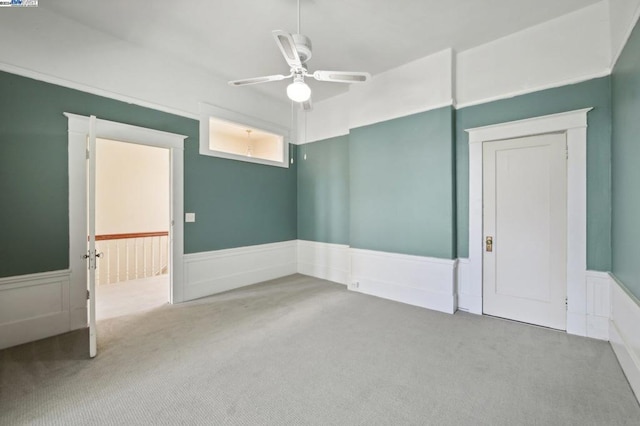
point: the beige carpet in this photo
(301, 351)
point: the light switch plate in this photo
(189, 217)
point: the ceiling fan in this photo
(296, 49)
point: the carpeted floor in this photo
(131, 297)
(298, 351)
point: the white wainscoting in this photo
(595, 323)
(468, 299)
(598, 304)
(216, 271)
(33, 307)
(325, 261)
(415, 280)
(624, 332)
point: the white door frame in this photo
(78, 127)
(574, 125)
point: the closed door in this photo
(525, 229)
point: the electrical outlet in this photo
(355, 284)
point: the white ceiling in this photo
(232, 39)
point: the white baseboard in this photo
(624, 332)
(33, 307)
(325, 261)
(468, 300)
(216, 271)
(415, 280)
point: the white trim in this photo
(404, 113)
(33, 307)
(616, 55)
(416, 280)
(598, 304)
(540, 88)
(529, 126)
(78, 128)
(574, 123)
(29, 279)
(302, 141)
(625, 333)
(36, 75)
(212, 272)
(208, 111)
(324, 260)
(468, 301)
(127, 133)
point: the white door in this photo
(525, 229)
(91, 255)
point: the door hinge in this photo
(88, 154)
(566, 303)
(566, 150)
(88, 294)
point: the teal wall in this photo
(236, 203)
(593, 93)
(397, 186)
(402, 185)
(626, 165)
(323, 191)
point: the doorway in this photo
(525, 217)
(83, 132)
(132, 228)
(573, 124)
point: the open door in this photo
(91, 254)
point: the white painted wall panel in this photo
(421, 85)
(325, 261)
(33, 307)
(468, 299)
(598, 304)
(625, 333)
(328, 119)
(418, 86)
(567, 49)
(213, 272)
(623, 15)
(415, 280)
(65, 52)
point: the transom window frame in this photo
(208, 111)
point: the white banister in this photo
(131, 256)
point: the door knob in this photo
(489, 244)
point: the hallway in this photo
(131, 297)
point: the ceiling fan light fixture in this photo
(298, 91)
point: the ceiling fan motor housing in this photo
(303, 46)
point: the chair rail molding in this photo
(574, 125)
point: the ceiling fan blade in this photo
(287, 46)
(256, 80)
(306, 106)
(342, 76)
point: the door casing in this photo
(574, 125)
(78, 128)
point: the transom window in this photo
(231, 135)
